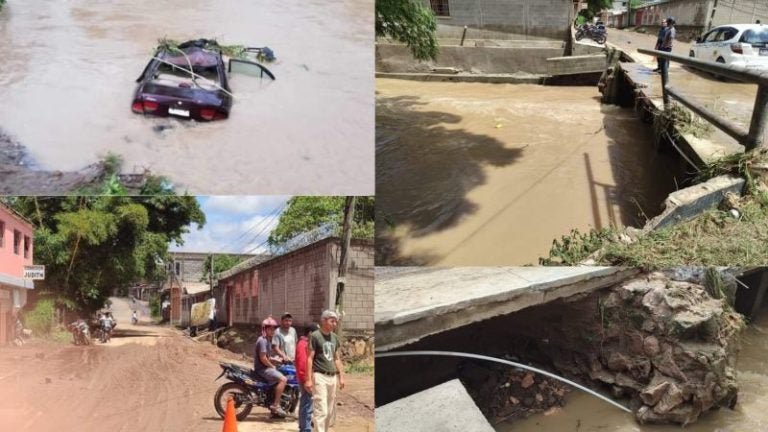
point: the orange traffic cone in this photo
(230, 421)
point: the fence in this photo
(751, 138)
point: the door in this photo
(247, 67)
(705, 48)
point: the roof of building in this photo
(17, 215)
(192, 288)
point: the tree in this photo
(91, 245)
(409, 22)
(303, 214)
(221, 263)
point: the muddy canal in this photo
(490, 174)
(68, 78)
(585, 413)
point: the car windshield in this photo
(756, 37)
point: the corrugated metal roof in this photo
(193, 288)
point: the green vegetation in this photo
(2, 2)
(733, 234)
(680, 121)
(359, 367)
(303, 214)
(235, 51)
(93, 244)
(154, 307)
(114, 186)
(221, 262)
(409, 22)
(41, 318)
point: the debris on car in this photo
(189, 80)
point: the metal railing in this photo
(751, 138)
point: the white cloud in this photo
(245, 205)
(231, 236)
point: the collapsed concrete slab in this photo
(445, 408)
(414, 302)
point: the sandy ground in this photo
(146, 378)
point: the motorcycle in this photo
(596, 33)
(248, 390)
(105, 332)
(81, 335)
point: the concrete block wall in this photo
(687, 13)
(297, 283)
(358, 291)
(506, 19)
(740, 12)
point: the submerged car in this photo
(189, 81)
(743, 45)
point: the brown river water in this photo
(490, 174)
(69, 70)
(586, 413)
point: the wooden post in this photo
(346, 237)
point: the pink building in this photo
(16, 235)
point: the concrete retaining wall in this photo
(509, 19)
(576, 64)
(395, 58)
(692, 201)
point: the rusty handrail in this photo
(749, 139)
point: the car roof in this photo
(742, 27)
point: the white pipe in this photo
(506, 362)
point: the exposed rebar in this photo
(502, 361)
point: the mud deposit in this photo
(489, 174)
(69, 71)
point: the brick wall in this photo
(506, 19)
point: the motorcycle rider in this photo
(134, 318)
(285, 338)
(105, 321)
(264, 364)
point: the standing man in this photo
(323, 366)
(659, 41)
(264, 365)
(305, 403)
(286, 338)
(212, 316)
(666, 45)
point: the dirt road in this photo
(146, 378)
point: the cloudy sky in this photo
(237, 224)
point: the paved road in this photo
(147, 378)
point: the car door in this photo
(722, 44)
(251, 68)
(705, 48)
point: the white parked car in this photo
(737, 44)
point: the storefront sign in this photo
(34, 272)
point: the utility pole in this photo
(346, 237)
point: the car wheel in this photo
(721, 61)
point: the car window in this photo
(726, 34)
(237, 66)
(755, 37)
(709, 37)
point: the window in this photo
(710, 37)
(726, 34)
(2, 234)
(26, 246)
(752, 37)
(16, 242)
(440, 7)
(178, 268)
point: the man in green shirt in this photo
(323, 367)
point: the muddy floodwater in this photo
(586, 413)
(490, 174)
(69, 71)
